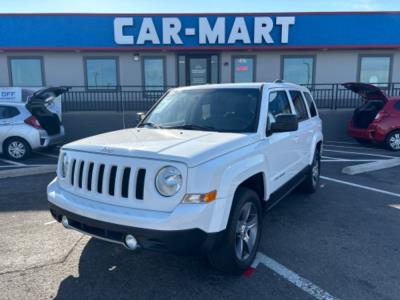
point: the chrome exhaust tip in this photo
(64, 222)
(131, 242)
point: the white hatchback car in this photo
(30, 125)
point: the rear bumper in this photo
(372, 133)
(50, 140)
(183, 242)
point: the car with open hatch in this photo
(196, 174)
(32, 124)
(377, 119)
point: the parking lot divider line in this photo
(354, 147)
(351, 160)
(359, 153)
(28, 171)
(47, 154)
(340, 142)
(12, 162)
(361, 186)
(302, 283)
(51, 222)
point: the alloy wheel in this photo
(246, 231)
(16, 149)
(394, 141)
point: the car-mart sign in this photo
(217, 33)
(130, 32)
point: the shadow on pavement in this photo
(111, 271)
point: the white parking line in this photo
(365, 187)
(359, 153)
(12, 162)
(292, 277)
(355, 147)
(51, 222)
(47, 154)
(45, 169)
(350, 160)
(340, 142)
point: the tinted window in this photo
(311, 104)
(299, 105)
(375, 69)
(26, 71)
(397, 105)
(8, 112)
(153, 69)
(278, 104)
(101, 73)
(298, 69)
(227, 110)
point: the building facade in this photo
(102, 51)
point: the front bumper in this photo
(191, 241)
(185, 230)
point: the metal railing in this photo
(140, 98)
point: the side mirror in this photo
(140, 116)
(284, 123)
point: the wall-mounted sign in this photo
(128, 32)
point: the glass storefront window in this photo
(243, 69)
(375, 69)
(153, 69)
(298, 70)
(26, 71)
(214, 68)
(101, 73)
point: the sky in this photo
(180, 6)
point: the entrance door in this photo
(195, 69)
(199, 70)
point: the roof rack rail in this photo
(279, 81)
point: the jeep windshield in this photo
(213, 109)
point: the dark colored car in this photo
(377, 119)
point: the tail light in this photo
(382, 114)
(32, 121)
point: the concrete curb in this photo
(28, 171)
(372, 166)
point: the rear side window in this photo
(299, 105)
(7, 112)
(278, 104)
(311, 104)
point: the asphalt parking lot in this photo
(341, 242)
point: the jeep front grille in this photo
(107, 179)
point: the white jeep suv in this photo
(197, 172)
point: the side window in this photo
(7, 112)
(278, 104)
(311, 104)
(299, 105)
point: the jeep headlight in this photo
(64, 163)
(168, 181)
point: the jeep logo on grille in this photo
(107, 149)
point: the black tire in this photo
(363, 141)
(225, 256)
(14, 143)
(393, 140)
(311, 182)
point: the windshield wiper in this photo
(150, 124)
(192, 127)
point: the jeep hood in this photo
(188, 146)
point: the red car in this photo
(377, 119)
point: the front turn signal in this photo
(200, 198)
